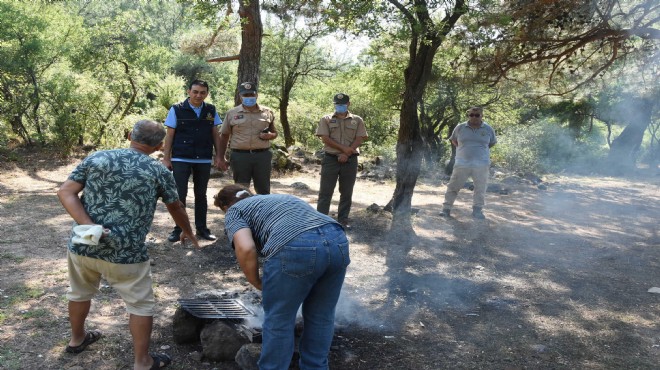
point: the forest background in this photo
(554, 278)
(567, 85)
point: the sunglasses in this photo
(474, 115)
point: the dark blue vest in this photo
(193, 137)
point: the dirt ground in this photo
(553, 279)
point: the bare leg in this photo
(78, 312)
(141, 331)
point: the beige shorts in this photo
(131, 281)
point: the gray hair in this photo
(148, 132)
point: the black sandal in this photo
(90, 337)
(160, 360)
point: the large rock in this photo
(186, 327)
(221, 341)
(248, 356)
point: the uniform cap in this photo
(247, 88)
(340, 99)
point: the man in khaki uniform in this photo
(342, 133)
(248, 128)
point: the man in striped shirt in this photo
(305, 258)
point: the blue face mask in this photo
(249, 101)
(341, 108)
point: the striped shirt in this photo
(274, 220)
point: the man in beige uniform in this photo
(342, 133)
(248, 128)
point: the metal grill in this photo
(216, 308)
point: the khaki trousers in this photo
(479, 176)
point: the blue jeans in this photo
(201, 173)
(309, 270)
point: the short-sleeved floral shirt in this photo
(121, 190)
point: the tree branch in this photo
(223, 59)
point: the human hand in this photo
(216, 162)
(342, 158)
(257, 284)
(222, 164)
(189, 236)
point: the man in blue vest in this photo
(188, 149)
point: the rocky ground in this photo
(557, 277)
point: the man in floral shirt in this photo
(120, 189)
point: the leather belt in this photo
(337, 155)
(249, 150)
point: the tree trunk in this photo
(625, 148)
(284, 118)
(424, 43)
(36, 102)
(19, 128)
(250, 54)
(408, 163)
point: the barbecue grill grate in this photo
(216, 308)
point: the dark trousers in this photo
(255, 166)
(331, 171)
(201, 172)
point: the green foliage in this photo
(36, 313)
(9, 359)
(81, 73)
(11, 258)
(544, 147)
(17, 295)
(304, 117)
(313, 100)
(34, 39)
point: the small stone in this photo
(197, 356)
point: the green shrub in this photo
(546, 147)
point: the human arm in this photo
(343, 158)
(216, 142)
(167, 148)
(223, 140)
(70, 199)
(346, 150)
(178, 212)
(453, 138)
(246, 253)
(272, 132)
(493, 138)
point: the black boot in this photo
(175, 235)
(446, 212)
(476, 213)
(206, 234)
